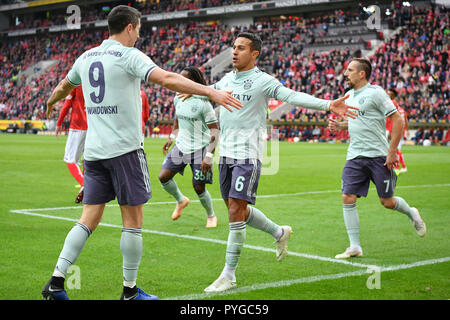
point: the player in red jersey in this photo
(77, 135)
(393, 94)
(145, 110)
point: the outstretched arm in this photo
(176, 82)
(305, 100)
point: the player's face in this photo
(243, 56)
(353, 77)
(391, 94)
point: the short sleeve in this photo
(74, 74)
(208, 113)
(139, 64)
(384, 102)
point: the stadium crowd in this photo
(96, 12)
(414, 61)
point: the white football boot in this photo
(352, 251)
(418, 224)
(282, 242)
(221, 284)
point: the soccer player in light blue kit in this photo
(369, 155)
(198, 131)
(241, 146)
(115, 162)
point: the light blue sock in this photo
(402, 206)
(131, 248)
(258, 220)
(351, 220)
(236, 239)
(206, 201)
(172, 188)
(73, 245)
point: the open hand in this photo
(225, 99)
(343, 110)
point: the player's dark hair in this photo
(254, 38)
(121, 16)
(195, 75)
(394, 92)
(364, 65)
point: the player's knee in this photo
(163, 178)
(348, 198)
(236, 212)
(388, 203)
(199, 188)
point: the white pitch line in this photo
(277, 284)
(264, 196)
(286, 283)
(414, 264)
(261, 286)
(183, 236)
(31, 212)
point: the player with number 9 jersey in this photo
(119, 105)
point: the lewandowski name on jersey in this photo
(102, 110)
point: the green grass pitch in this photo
(182, 257)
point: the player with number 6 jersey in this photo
(241, 146)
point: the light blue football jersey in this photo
(193, 115)
(111, 75)
(243, 132)
(368, 130)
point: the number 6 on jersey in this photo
(239, 185)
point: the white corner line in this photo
(222, 242)
(264, 196)
(286, 283)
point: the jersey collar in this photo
(244, 74)
(111, 41)
(361, 89)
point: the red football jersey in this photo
(75, 101)
(402, 114)
(145, 110)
